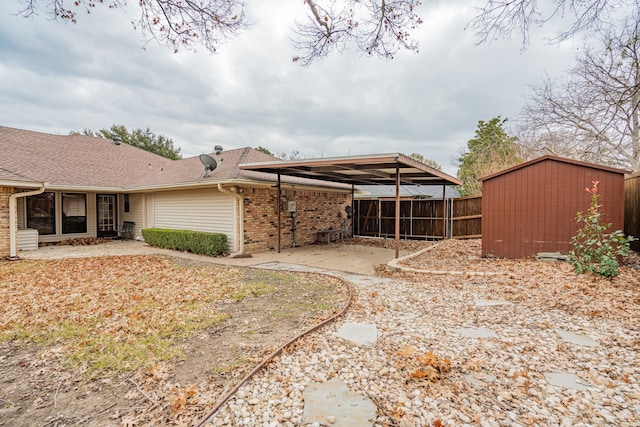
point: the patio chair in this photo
(126, 230)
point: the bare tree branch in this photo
(504, 18)
(182, 24)
(187, 23)
(376, 27)
(594, 115)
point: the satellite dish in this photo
(209, 164)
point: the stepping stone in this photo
(360, 333)
(333, 403)
(490, 302)
(479, 380)
(477, 332)
(409, 316)
(562, 379)
(551, 256)
(572, 338)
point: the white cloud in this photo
(58, 77)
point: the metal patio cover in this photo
(376, 169)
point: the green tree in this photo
(145, 139)
(431, 163)
(492, 150)
(264, 150)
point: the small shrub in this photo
(198, 242)
(595, 250)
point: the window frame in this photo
(35, 219)
(79, 224)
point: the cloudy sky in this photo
(57, 77)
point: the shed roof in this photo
(555, 159)
(375, 169)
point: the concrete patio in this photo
(354, 259)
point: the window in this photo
(126, 203)
(41, 213)
(74, 213)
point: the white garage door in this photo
(198, 210)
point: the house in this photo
(59, 187)
(531, 208)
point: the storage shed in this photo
(531, 207)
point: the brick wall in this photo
(5, 250)
(315, 210)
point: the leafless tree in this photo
(182, 24)
(294, 155)
(375, 27)
(378, 27)
(504, 18)
(594, 114)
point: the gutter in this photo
(13, 226)
(243, 182)
(239, 197)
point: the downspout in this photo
(278, 210)
(239, 197)
(13, 227)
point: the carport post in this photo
(397, 210)
(444, 212)
(353, 210)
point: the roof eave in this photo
(85, 188)
(21, 184)
(556, 159)
(238, 182)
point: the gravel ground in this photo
(421, 372)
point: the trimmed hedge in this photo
(198, 242)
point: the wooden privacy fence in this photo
(632, 208)
(466, 217)
(419, 219)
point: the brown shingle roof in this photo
(74, 160)
(79, 161)
(191, 170)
